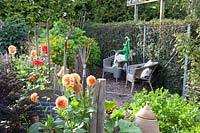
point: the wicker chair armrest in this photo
(133, 67)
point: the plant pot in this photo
(117, 73)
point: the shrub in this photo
(13, 33)
(76, 40)
(173, 113)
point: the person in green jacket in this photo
(123, 54)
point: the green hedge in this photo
(160, 41)
(13, 33)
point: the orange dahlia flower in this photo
(91, 80)
(77, 87)
(34, 97)
(68, 80)
(76, 77)
(12, 49)
(61, 102)
(33, 53)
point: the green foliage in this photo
(112, 11)
(118, 113)
(77, 115)
(117, 11)
(124, 126)
(128, 127)
(102, 11)
(95, 55)
(76, 40)
(118, 119)
(173, 113)
(25, 70)
(197, 9)
(178, 9)
(13, 33)
(110, 125)
(189, 45)
(34, 128)
(110, 105)
(39, 11)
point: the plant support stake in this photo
(48, 45)
(185, 68)
(36, 39)
(144, 44)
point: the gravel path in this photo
(116, 91)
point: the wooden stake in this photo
(36, 39)
(48, 45)
(97, 125)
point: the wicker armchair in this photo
(107, 67)
(134, 74)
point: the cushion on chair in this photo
(146, 72)
(149, 63)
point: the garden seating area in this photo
(82, 66)
(142, 72)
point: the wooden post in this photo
(55, 78)
(97, 125)
(101, 105)
(93, 124)
(65, 48)
(65, 56)
(48, 45)
(36, 39)
(84, 79)
(29, 41)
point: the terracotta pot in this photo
(146, 119)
